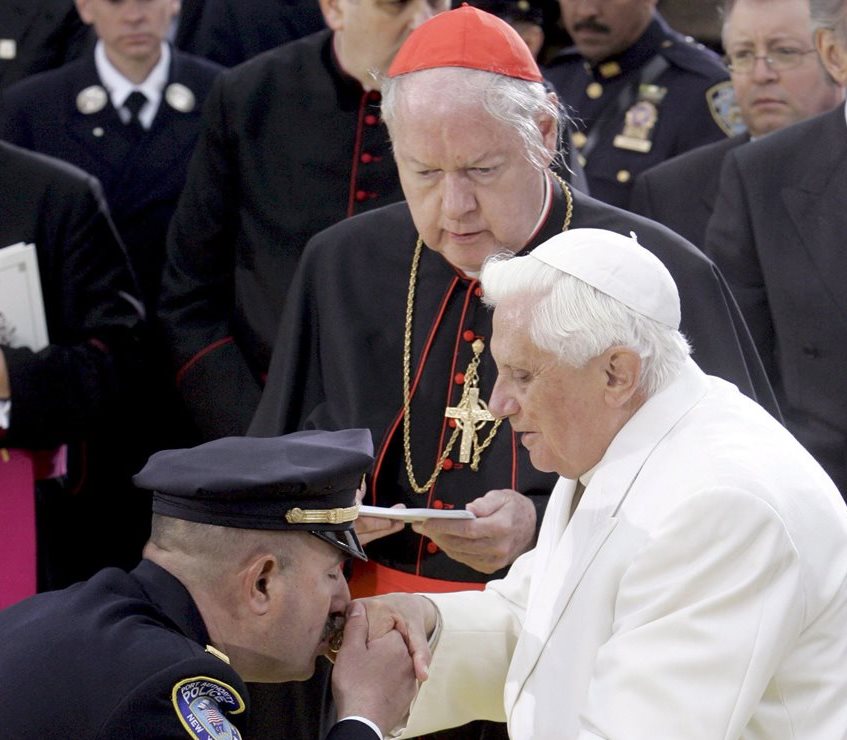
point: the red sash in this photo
(372, 579)
(19, 469)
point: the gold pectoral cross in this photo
(470, 415)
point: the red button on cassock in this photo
(366, 158)
(448, 464)
(371, 120)
(469, 335)
(459, 378)
(431, 548)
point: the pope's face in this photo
(557, 410)
(466, 177)
(131, 30)
(771, 99)
(603, 28)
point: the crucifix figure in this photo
(470, 415)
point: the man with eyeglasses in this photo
(778, 80)
(777, 234)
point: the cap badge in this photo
(322, 516)
(640, 120)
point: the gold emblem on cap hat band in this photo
(322, 516)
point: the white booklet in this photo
(22, 319)
(415, 515)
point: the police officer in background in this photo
(640, 92)
(128, 113)
(241, 581)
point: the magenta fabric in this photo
(19, 469)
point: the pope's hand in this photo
(504, 528)
(411, 615)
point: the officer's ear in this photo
(258, 581)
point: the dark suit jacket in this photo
(681, 192)
(289, 145)
(46, 34)
(778, 234)
(232, 31)
(77, 389)
(142, 178)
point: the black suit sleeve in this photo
(731, 244)
(93, 319)
(197, 302)
(351, 729)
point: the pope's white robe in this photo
(699, 591)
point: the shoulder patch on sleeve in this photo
(724, 108)
(200, 703)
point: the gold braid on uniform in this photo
(470, 413)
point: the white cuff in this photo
(5, 410)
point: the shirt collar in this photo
(119, 87)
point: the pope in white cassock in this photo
(690, 577)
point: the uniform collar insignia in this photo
(92, 100)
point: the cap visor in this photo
(344, 539)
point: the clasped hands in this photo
(384, 654)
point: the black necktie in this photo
(134, 103)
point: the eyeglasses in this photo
(779, 60)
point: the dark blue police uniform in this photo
(133, 662)
(66, 113)
(128, 654)
(662, 96)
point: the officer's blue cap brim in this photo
(304, 481)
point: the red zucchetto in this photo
(466, 37)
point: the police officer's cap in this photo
(304, 481)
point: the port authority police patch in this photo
(201, 703)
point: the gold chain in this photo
(471, 374)
(568, 201)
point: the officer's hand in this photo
(503, 530)
(372, 678)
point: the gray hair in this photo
(576, 322)
(517, 103)
(206, 550)
(827, 14)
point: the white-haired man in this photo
(384, 324)
(689, 578)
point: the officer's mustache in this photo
(590, 24)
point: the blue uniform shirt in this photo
(662, 96)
